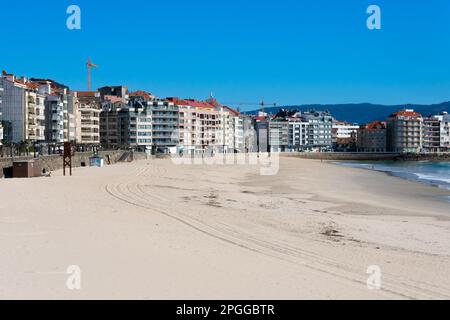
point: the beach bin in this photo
(96, 161)
(26, 169)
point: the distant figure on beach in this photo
(45, 173)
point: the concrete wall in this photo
(55, 162)
(345, 156)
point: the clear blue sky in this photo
(289, 51)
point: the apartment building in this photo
(444, 118)
(436, 133)
(319, 129)
(372, 137)
(250, 140)
(88, 118)
(227, 122)
(405, 132)
(344, 136)
(262, 134)
(35, 113)
(72, 113)
(165, 125)
(54, 119)
(1, 126)
(342, 130)
(22, 110)
(278, 136)
(199, 126)
(298, 134)
(120, 92)
(431, 134)
(135, 123)
(110, 131)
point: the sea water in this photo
(429, 172)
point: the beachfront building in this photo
(262, 133)
(110, 131)
(199, 126)
(54, 119)
(72, 114)
(250, 139)
(372, 137)
(319, 129)
(22, 110)
(278, 135)
(436, 133)
(88, 118)
(60, 111)
(120, 92)
(35, 111)
(135, 123)
(1, 126)
(405, 132)
(344, 134)
(431, 134)
(444, 119)
(13, 109)
(165, 125)
(298, 134)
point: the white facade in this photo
(298, 135)
(226, 131)
(444, 120)
(35, 116)
(239, 132)
(1, 127)
(344, 130)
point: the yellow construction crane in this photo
(90, 65)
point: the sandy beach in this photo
(155, 230)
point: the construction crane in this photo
(90, 65)
(261, 104)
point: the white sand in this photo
(153, 230)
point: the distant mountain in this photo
(363, 112)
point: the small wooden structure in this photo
(26, 169)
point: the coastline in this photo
(182, 232)
(389, 169)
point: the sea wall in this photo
(55, 162)
(426, 157)
(343, 156)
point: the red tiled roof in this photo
(191, 102)
(406, 113)
(87, 93)
(32, 85)
(112, 99)
(376, 125)
(141, 93)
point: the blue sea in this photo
(429, 172)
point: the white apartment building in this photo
(405, 132)
(436, 136)
(239, 133)
(35, 114)
(54, 119)
(135, 123)
(72, 113)
(88, 118)
(23, 109)
(199, 126)
(320, 128)
(1, 127)
(344, 130)
(298, 134)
